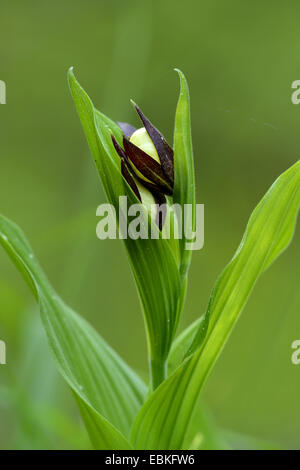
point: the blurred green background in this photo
(240, 59)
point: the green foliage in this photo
(268, 233)
(113, 401)
(95, 373)
(184, 190)
(152, 260)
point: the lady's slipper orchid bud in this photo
(147, 161)
(140, 138)
(160, 261)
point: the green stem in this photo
(158, 370)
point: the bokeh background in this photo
(240, 59)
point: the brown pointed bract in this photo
(160, 200)
(165, 152)
(130, 180)
(124, 169)
(147, 166)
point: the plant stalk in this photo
(158, 372)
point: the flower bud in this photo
(141, 139)
(147, 164)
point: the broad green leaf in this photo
(184, 185)
(103, 435)
(152, 260)
(268, 233)
(109, 392)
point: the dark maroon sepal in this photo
(125, 167)
(130, 180)
(165, 152)
(161, 202)
(118, 148)
(147, 166)
(127, 172)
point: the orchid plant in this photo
(119, 409)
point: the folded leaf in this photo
(109, 392)
(268, 233)
(103, 435)
(152, 260)
(182, 343)
(184, 184)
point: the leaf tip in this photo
(71, 72)
(182, 78)
(71, 77)
(180, 73)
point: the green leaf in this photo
(108, 391)
(182, 343)
(103, 435)
(152, 260)
(184, 184)
(268, 233)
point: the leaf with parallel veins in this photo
(154, 261)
